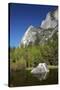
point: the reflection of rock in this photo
(41, 68)
(41, 76)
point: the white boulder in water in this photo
(41, 68)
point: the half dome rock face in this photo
(50, 20)
(56, 14)
(29, 36)
(41, 34)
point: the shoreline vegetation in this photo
(30, 68)
(22, 58)
(49, 66)
(52, 67)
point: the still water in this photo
(25, 78)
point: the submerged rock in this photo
(41, 68)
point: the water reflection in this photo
(26, 78)
(41, 76)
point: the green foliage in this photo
(31, 55)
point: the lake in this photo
(25, 78)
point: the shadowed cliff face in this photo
(41, 34)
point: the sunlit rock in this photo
(41, 68)
(41, 34)
(51, 20)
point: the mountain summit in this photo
(50, 20)
(41, 34)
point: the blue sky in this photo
(24, 15)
